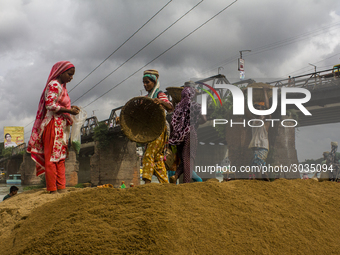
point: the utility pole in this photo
(314, 73)
(241, 64)
(314, 67)
(93, 112)
(243, 51)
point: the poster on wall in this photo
(13, 136)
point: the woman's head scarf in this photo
(153, 75)
(35, 145)
(185, 116)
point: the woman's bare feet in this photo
(147, 181)
(173, 179)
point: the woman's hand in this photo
(76, 107)
(167, 106)
(158, 101)
(74, 110)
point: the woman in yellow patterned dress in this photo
(153, 159)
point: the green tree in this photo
(224, 111)
(7, 152)
(102, 135)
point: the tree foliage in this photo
(7, 152)
(102, 135)
(224, 111)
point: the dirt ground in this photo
(236, 217)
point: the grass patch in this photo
(82, 185)
(33, 187)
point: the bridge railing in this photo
(88, 127)
(87, 130)
(113, 117)
(311, 80)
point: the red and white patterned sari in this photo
(52, 99)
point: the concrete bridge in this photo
(324, 107)
(325, 96)
(120, 162)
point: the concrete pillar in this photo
(27, 171)
(13, 164)
(116, 163)
(84, 174)
(71, 169)
(84, 158)
(281, 146)
(238, 139)
(209, 155)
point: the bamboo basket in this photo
(142, 120)
(175, 93)
(258, 95)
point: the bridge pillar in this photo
(84, 174)
(71, 169)
(84, 157)
(238, 139)
(115, 163)
(281, 147)
(27, 171)
(282, 144)
(13, 164)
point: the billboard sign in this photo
(13, 136)
(241, 64)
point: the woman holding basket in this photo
(50, 132)
(153, 159)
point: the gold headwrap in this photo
(334, 144)
(157, 85)
(152, 71)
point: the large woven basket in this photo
(175, 93)
(142, 120)
(258, 95)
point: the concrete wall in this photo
(13, 165)
(119, 162)
(28, 173)
(116, 163)
(27, 170)
(71, 169)
(84, 174)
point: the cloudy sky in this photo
(283, 36)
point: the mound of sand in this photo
(237, 217)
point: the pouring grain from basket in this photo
(142, 120)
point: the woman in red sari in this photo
(50, 132)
